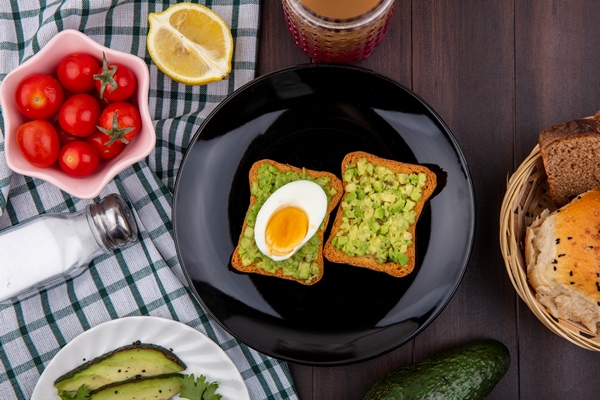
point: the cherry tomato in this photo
(115, 82)
(63, 137)
(78, 158)
(39, 96)
(105, 151)
(121, 121)
(38, 142)
(79, 115)
(76, 72)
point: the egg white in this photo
(305, 195)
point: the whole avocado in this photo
(467, 372)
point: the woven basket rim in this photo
(525, 184)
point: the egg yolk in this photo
(285, 230)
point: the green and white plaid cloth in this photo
(145, 278)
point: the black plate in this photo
(311, 116)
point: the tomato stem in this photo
(107, 77)
(115, 132)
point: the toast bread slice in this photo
(569, 151)
(334, 182)
(395, 269)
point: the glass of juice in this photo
(338, 31)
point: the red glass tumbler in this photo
(337, 40)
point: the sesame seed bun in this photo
(562, 252)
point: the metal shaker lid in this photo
(114, 221)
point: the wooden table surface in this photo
(497, 72)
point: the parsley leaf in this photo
(82, 394)
(198, 389)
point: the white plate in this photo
(198, 352)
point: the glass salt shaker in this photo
(46, 248)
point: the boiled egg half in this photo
(289, 218)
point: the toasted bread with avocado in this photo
(306, 265)
(375, 224)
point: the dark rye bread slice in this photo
(334, 182)
(571, 155)
(368, 261)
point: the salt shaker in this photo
(53, 246)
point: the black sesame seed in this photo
(555, 268)
(590, 247)
(570, 273)
(599, 303)
(598, 286)
(562, 255)
(569, 237)
(555, 261)
(557, 240)
(572, 283)
(578, 197)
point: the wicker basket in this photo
(526, 197)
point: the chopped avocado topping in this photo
(302, 265)
(378, 211)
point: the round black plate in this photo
(311, 116)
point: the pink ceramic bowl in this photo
(66, 42)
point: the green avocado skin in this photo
(467, 372)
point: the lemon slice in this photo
(190, 43)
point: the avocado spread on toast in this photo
(302, 264)
(378, 211)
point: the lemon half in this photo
(190, 43)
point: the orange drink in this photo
(337, 31)
(340, 9)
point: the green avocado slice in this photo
(126, 362)
(160, 387)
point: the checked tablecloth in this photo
(146, 278)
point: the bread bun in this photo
(562, 252)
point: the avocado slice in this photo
(159, 387)
(468, 372)
(134, 360)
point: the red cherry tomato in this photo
(76, 72)
(78, 158)
(79, 115)
(115, 82)
(38, 142)
(100, 141)
(121, 121)
(39, 96)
